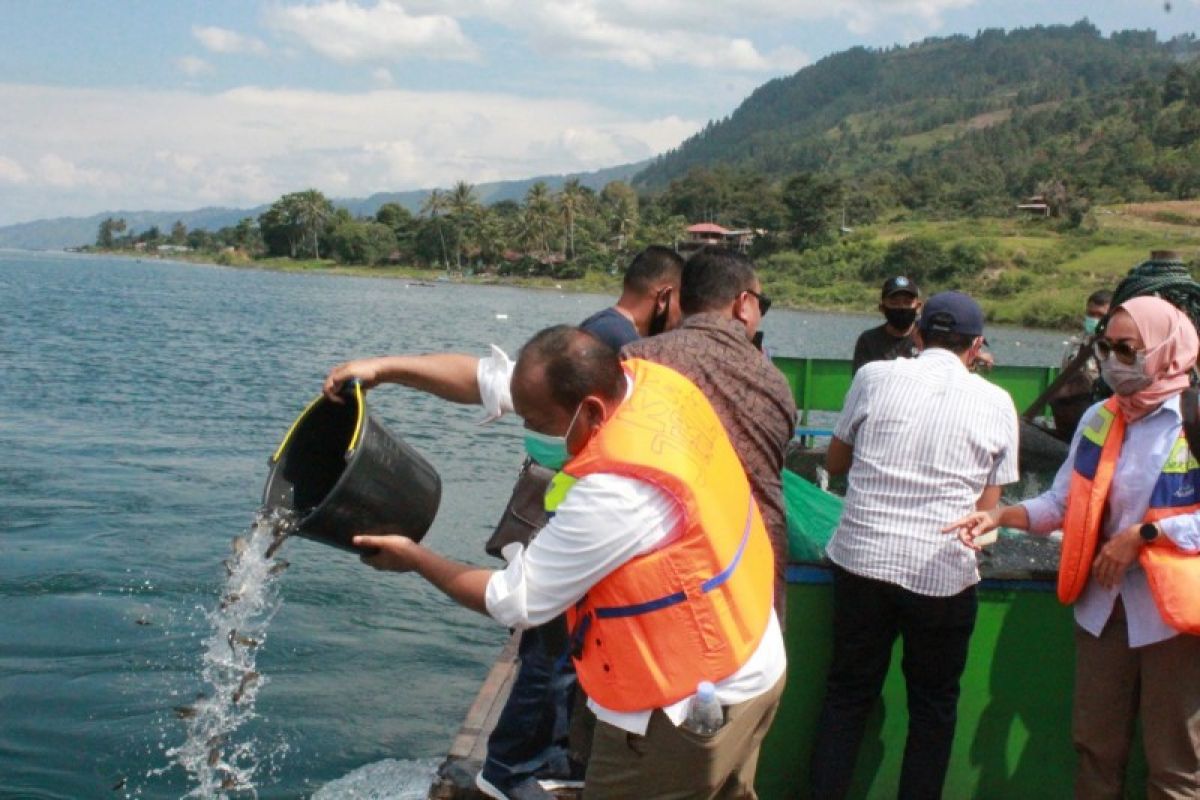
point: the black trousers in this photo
(868, 615)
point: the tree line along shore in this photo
(1025, 270)
(1028, 167)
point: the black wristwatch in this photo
(1148, 531)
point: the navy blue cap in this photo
(900, 284)
(952, 312)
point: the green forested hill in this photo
(965, 124)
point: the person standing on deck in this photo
(900, 303)
(723, 305)
(530, 738)
(923, 440)
(1075, 396)
(659, 556)
(1127, 500)
(645, 307)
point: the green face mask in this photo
(550, 451)
(1090, 324)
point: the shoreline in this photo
(593, 284)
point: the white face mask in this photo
(1125, 379)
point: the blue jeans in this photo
(531, 734)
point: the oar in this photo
(1068, 372)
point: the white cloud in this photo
(382, 77)
(642, 36)
(193, 66)
(250, 145)
(349, 32)
(60, 173)
(223, 40)
(12, 172)
(582, 29)
(647, 34)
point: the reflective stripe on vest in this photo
(1174, 576)
(556, 492)
(696, 608)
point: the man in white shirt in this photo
(570, 387)
(924, 440)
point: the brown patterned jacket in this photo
(753, 400)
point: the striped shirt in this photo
(928, 436)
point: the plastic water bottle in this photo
(706, 715)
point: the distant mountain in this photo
(1013, 108)
(488, 193)
(63, 232)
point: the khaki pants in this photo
(671, 763)
(1114, 684)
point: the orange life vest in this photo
(1174, 575)
(696, 608)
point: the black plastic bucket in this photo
(346, 474)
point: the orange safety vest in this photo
(1174, 575)
(695, 609)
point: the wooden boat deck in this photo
(456, 775)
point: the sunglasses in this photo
(1122, 349)
(764, 302)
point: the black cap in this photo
(900, 285)
(952, 312)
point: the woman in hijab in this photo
(1128, 502)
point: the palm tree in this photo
(571, 201)
(539, 216)
(622, 204)
(311, 211)
(433, 207)
(463, 208)
(490, 237)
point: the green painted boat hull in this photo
(820, 384)
(1013, 738)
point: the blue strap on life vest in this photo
(635, 609)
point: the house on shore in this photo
(709, 233)
(1035, 206)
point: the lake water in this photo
(139, 402)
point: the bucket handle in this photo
(352, 386)
(355, 385)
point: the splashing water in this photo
(216, 762)
(384, 780)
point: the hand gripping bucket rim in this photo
(346, 473)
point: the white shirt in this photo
(494, 376)
(928, 437)
(604, 521)
(1148, 442)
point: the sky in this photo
(182, 104)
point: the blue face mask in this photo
(1090, 324)
(549, 451)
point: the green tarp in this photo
(812, 516)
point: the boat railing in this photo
(820, 384)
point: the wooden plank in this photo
(456, 775)
(471, 741)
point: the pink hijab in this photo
(1171, 348)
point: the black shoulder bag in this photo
(525, 514)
